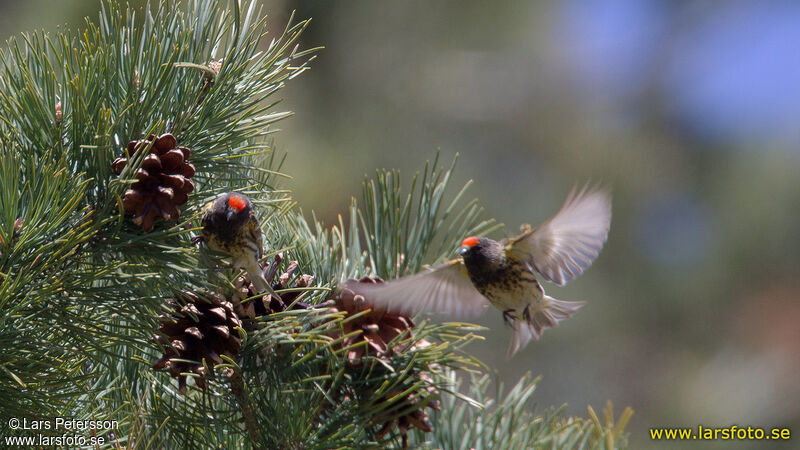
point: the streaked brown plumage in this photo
(230, 226)
(504, 273)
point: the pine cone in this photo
(215, 65)
(14, 234)
(200, 329)
(59, 114)
(418, 418)
(378, 327)
(266, 304)
(164, 180)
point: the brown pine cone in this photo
(267, 304)
(163, 181)
(200, 329)
(417, 417)
(378, 327)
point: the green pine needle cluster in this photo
(505, 421)
(82, 287)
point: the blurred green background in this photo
(690, 110)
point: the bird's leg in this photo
(269, 273)
(526, 313)
(508, 318)
(276, 304)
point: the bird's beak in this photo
(230, 214)
(463, 250)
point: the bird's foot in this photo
(271, 270)
(197, 239)
(508, 318)
(526, 313)
(276, 304)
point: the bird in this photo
(230, 226)
(505, 273)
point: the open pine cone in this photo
(378, 327)
(163, 181)
(417, 418)
(200, 329)
(266, 304)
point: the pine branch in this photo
(82, 286)
(44, 235)
(504, 421)
(404, 231)
(242, 398)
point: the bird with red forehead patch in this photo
(504, 273)
(231, 227)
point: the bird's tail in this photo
(554, 311)
(259, 282)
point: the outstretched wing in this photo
(444, 289)
(564, 246)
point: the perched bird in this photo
(230, 226)
(504, 273)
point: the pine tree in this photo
(112, 139)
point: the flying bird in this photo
(504, 274)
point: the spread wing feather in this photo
(444, 289)
(564, 246)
